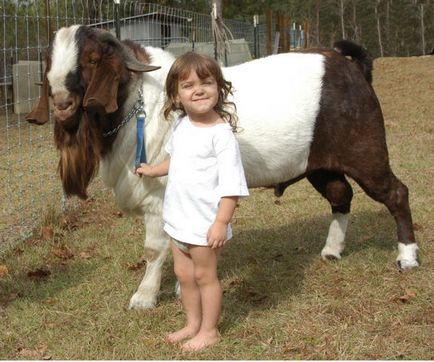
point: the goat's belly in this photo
(273, 158)
(277, 100)
(275, 144)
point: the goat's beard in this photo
(80, 154)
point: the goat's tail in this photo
(358, 55)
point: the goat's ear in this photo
(102, 91)
(41, 111)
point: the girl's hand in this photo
(144, 169)
(217, 233)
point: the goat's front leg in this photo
(156, 248)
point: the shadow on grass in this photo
(259, 267)
(262, 267)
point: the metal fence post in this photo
(118, 25)
(48, 20)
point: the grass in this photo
(281, 301)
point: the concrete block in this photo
(25, 76)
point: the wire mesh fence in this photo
(29, 183)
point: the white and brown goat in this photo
(312, 114)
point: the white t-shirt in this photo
(205, 165)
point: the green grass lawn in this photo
(64, 295)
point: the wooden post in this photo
(269, 31)
(281, 30)
(285, 34)
(306, 34)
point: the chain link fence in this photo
(29, 184)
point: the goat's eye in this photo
(93, 62)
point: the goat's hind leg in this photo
(156, 248)
(336, 189)
(390, 191)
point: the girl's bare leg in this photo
(190, 296)
(205, 273)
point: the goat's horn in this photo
(134, 65)
(131, 62)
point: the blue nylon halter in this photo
(140, 148)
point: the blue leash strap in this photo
(140, 149)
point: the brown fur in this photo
(80, 153)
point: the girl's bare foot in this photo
(184, 333)
(201, 341)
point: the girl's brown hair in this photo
(204, 66)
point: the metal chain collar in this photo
(138, 107)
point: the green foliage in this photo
(399, 21)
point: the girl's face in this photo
(198, 96)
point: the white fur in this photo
(277, 100)
(144, 196)
(335, 242)
(407, 255)
(64, 58)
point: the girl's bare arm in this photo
(217, 232)
(158, 170)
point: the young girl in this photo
(205, 179)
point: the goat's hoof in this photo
(405, 264)
(330, 255)
(138, 302)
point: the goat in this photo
(311, 114)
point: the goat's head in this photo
(86, 74)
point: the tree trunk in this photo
(341, 9)
(422, 28)
(355, 25)
(317, 4)
(377, 16)
(388, 40)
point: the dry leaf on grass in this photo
(63, 252)
(417, 227)
(50, 301)
(37, 353)
(33, 240)
(140, 264)
(11, 297)
(3, 271)
(407, 296)
(47, 233)
(40, 273)
(85, 255)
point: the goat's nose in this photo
(62, 105)
(62, 101)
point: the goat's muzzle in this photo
(65, 107)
